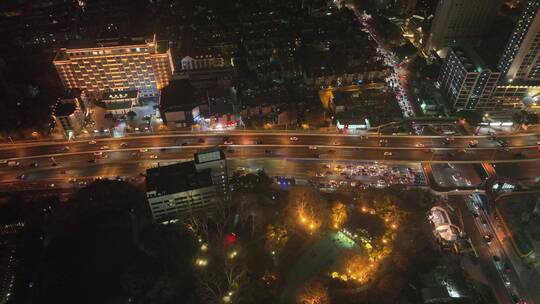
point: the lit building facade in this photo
(521, 58)
(206, 60)
(467, 81)
(118, 102)
(520, 62)
(457, 19)
(115, 65)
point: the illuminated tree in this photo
(359, 268)
(339, 215)
(276, 239)
(307, 209)
(313, 292)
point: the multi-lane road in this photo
(252, 144)
(51, 161)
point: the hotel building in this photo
(116, 65)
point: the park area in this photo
(304, 246)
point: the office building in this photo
(179, 189)
(458, 19)
(69, 114)
(215, 160)
(115, 65)
(468, 81)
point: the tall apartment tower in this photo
(521, 58)
(458, 19)
(116, 65)
(467, 80)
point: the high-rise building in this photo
(215, 160)
(458, 19)
(521, 57)
(520, 62)
(116, 65)
(467, 80)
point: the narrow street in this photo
(396, 81)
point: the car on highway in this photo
(293, 138)
(473, 143)
(502, 143)
(124, 145)
(143, 150)
(153, 156)
(228, 142)
(65, 149)
(13, 163)
(313, 147)
(92, 142)
(104, 147)
(387, 153)
(488, 238)
(383, 142)
(34, 165)
(504, 149)
(505, 279)
(21, 177)
(419, 145)
(335, 143)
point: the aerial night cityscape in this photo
(270, 151)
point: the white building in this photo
(444, 228)
(202, 60)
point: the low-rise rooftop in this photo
(176, 178)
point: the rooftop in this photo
(208, 155)
(176, 178)
(64, 109)
(179, 94)
(471, 60)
